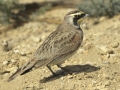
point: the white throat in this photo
(72, 23)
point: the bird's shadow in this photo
(72, 69)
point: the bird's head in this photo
(75, 17)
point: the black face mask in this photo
(76, 17)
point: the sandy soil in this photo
(95, 66)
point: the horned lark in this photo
(59, 45)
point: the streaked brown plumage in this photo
(59, 45)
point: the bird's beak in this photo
(87, 15)
(81, 19)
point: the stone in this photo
(70, 76)
(115, 44)
(5, 62)
(12, 69)
(35, 39)
(16, 51)
(105, 50)
(12, 60)
(22, 53)
(107, 83)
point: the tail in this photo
(18, 72)
(24, 69)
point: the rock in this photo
(44, 35)
(100, 87)
(16, 51)
(6, 45)
(22, 53)
(5, 62)
(81, 51)
(84, 26)
(107, 83)
(105, 50)
(106, 62)
(6, 74)
(12, 60)
(70, 76)
(62, 78)
(94, 82)
(115, 44)
(35, 39)
(108, 55)
(22, 61)
(102, 18)
(12, 69)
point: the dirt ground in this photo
(95, 66)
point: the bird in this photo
(58, 46)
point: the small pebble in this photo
(16, 51)
(94, 82)
(106, 62)
(5, 62)
(12, 60)
(5, 43)
(6, 74)
(12, 69)
(36, 39)
(115, 45)
(81, 51)
(108, 55)
(21, 62)
(107, 83)
(102, 18)
(70, 76)
(61, 78)
(22, 53)
(105, 50)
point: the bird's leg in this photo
(51, 70)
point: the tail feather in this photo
(14, 75)
(26, 68)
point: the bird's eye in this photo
(82, 15)
(76, 16)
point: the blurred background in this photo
(13, 11)
(25, 24)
